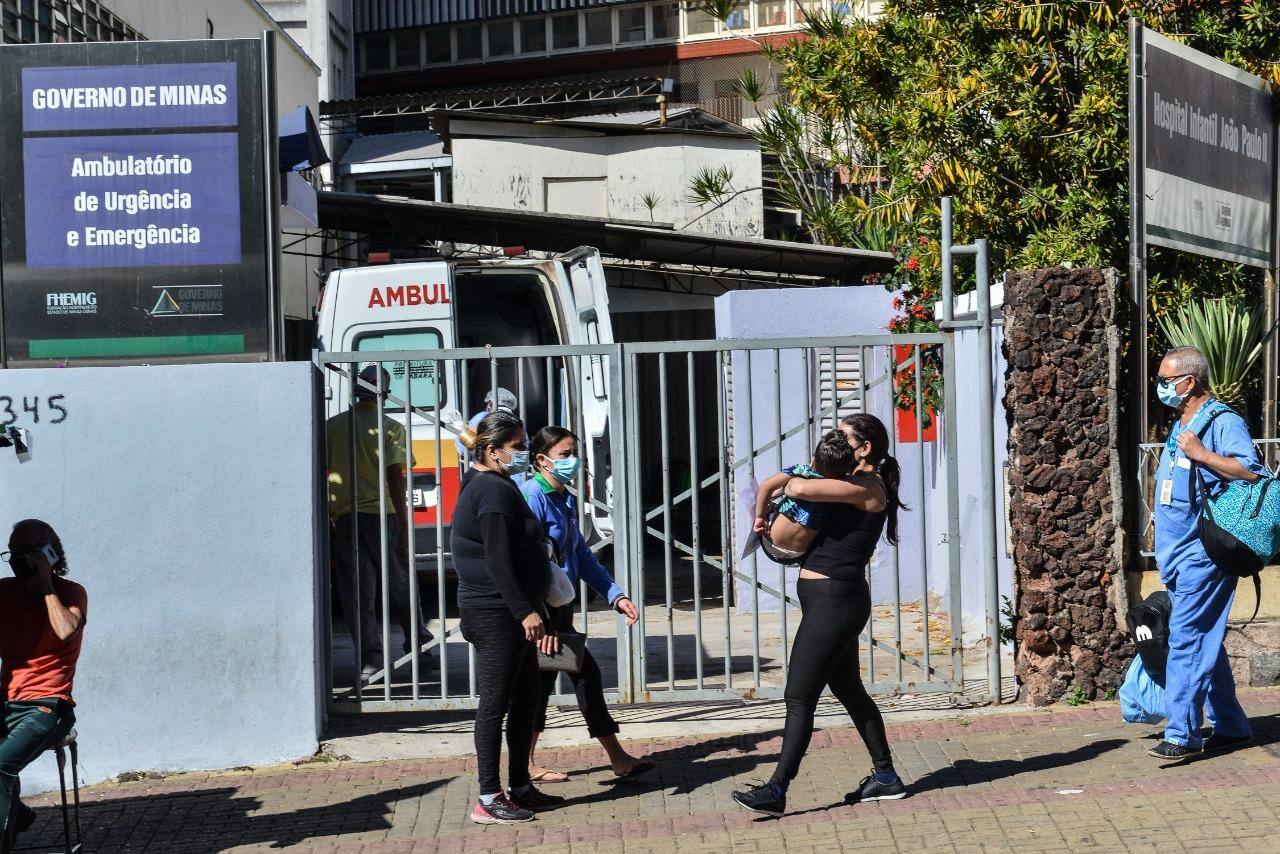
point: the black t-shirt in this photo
(845, 542)
(498, 547)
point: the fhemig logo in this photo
(82, 302)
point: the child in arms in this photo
(788, 526)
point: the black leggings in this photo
(825, 653)
(509, 684)
(588, 685)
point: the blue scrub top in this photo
(1179, 553)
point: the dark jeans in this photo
(510, 686)
(588, 685)
(29, 728)
(825, 653)
(370, 563)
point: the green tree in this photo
(1017, 109)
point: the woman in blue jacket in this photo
(554, 453)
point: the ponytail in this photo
(891, 476)
(869, 429)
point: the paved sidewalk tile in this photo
(1069, 780)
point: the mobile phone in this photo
(50, 554)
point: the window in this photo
(806, 9)
(407, 50)
(771, 13)
(469, 43)
(700, 21)
(438, 49)
(533, 35)
(739, 18)
(420, 387)
(564, 32)
(377, 53)
(599, 27)
(666, 20)
(631, 24)
(502, 40)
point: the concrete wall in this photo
(297, 84)
(511, 172)
(921, 560)
(185, 500)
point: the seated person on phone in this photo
(41, 621)
(787, 528)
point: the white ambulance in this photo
(503, 302)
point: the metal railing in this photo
(687, 427)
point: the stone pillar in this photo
(1063, 346)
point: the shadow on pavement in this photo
(215, 820)
(968, 772)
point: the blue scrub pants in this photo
(1198, 673)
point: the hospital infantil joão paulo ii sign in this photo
(1209, 154)
(134, 226)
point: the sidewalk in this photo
(1010, 779)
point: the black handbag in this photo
(573, 648)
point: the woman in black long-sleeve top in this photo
(503, 574)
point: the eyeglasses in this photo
(1171, 380)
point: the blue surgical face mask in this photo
(1168, 392)
(566, 469)
(519, 463)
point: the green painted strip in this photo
(1208, 242)
(169, 345)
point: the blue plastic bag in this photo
(1141, 697)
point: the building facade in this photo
(429, 45)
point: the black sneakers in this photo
(763, 799)
(1169, 750)
(871, 789)
(536, 801)
(501, 811)
(1218, 743)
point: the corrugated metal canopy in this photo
(413, 222)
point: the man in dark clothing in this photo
(358, 552)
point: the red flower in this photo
(919, 312)
(897, 303)
(924, 241)
(913, 264)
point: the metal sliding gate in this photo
(676, 436)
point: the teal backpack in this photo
(1239, 523)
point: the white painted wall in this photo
(512, 171)
(297, 84)
(922, 555)
(185, 500)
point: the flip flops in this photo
(548, 776)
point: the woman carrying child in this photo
(836, 604)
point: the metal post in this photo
(665, 448)
(271, 197)
(411, 545)
(696, 520)
(1137, 223)
(952, 439)
(948, 300)
(354, 617)
(384, 540)
(726, 514)
(444, 626)
(777, 448)
(987, 456)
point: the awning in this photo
(300, 143)
(408, 151)
(411, 222)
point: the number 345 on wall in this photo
(14, 408)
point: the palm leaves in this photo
(1230, 335)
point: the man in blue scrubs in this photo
(1198, 673)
